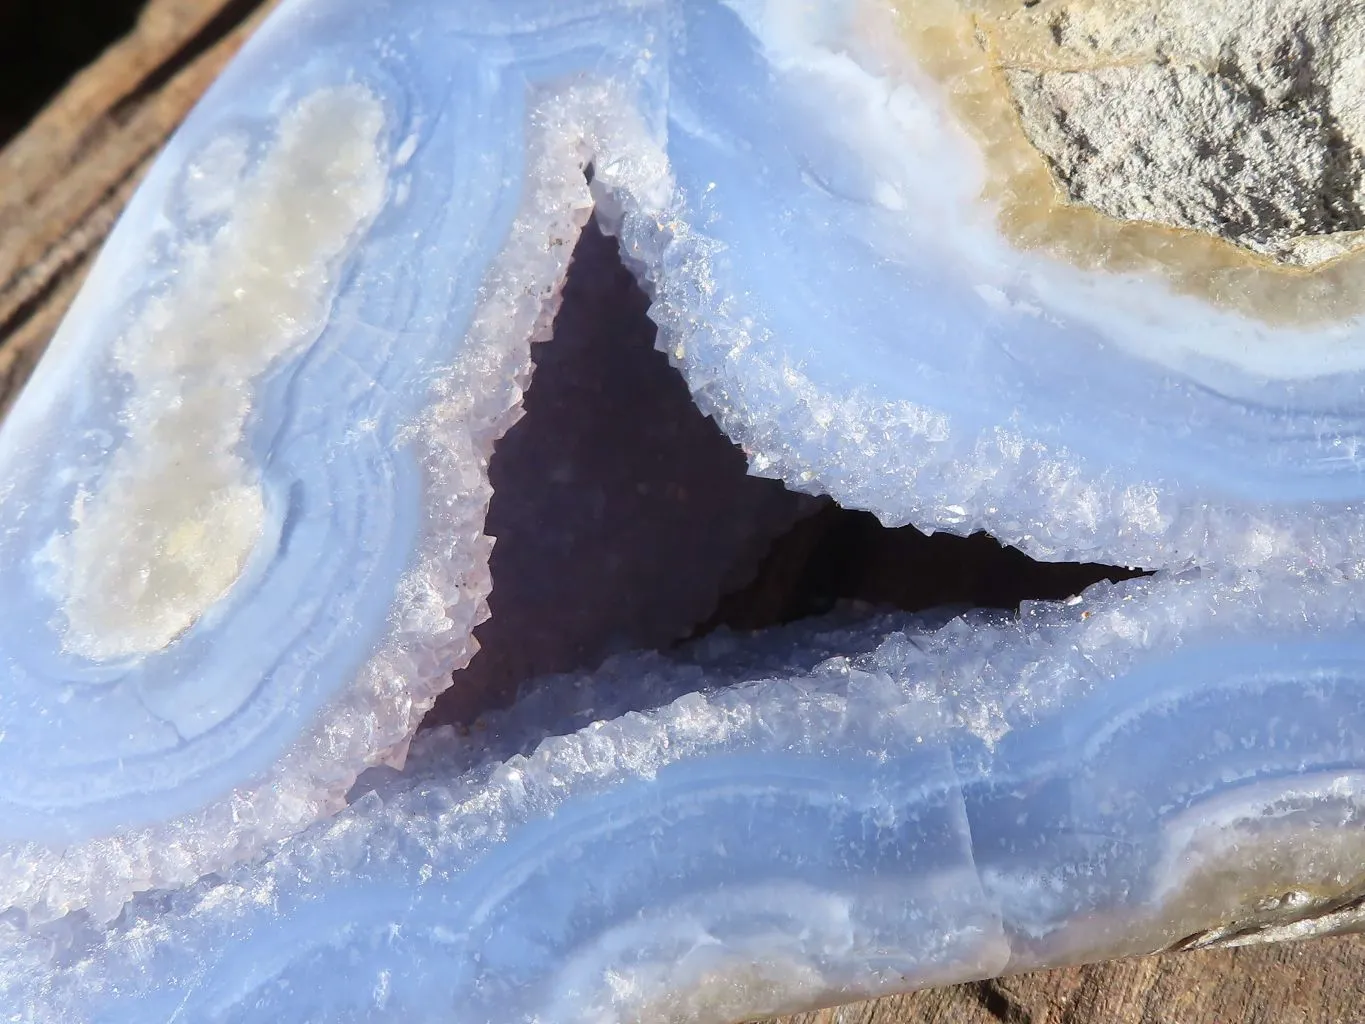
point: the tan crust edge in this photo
(963, 51)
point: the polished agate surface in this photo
(245, 526)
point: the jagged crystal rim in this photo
(439, 601)
(453, 810)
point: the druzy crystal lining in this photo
(240, 762)
(984, 387)
(759, 822)
(939, 803)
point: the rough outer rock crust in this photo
(1217, 146)
(1241, 120)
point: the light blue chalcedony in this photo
(241, 551)
(795, 828)
(834, 301)
(139, 760)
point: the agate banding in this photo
(243, 537)
(937, 804)
(166, 531)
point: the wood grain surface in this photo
(63, 181)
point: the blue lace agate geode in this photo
(243, 545)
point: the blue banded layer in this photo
(1164, 760)
(833, 285)
(325, 539)
(241, 537)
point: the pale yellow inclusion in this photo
(1227, 879)
(179, 511)
(969, 49)
(1256, 877)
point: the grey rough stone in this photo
(1238, 122)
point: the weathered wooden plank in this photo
(1292, 983)
(63, 182)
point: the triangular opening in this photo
(625, 519)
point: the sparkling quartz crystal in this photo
(245, 490)
(869, 279)
(953, 262)
(796, 828)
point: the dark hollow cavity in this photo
(624, 518)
